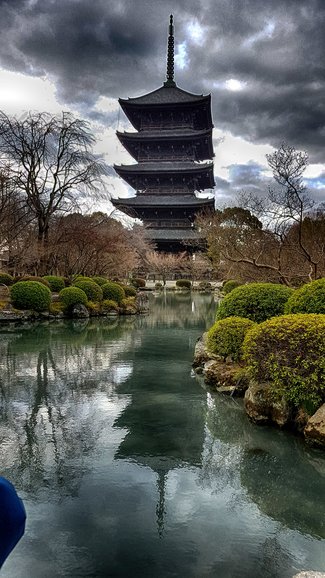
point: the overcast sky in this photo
(263, 63)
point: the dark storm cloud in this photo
(275, 49)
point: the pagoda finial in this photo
(170, 55)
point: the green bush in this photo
(158, 286)
(94, 307)
(32, 278)
(129, 291)
(55, 283)
(70, 296)
(109, 305)
(6, 279)
(229, 285)
(30, 295)
(99, 280)
(113, 291)
(309, 298)
(255, 301)
(289, 353)
(183, 284)
(138, 282)
(93, 291)
(205, 286)
(225, 337)
(128, 302)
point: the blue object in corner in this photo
(12, 518)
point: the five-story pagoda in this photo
(173, 148)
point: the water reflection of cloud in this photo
(121, 372)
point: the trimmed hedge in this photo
(183, 284)
(32, 278)
(289, 353)
(138, 282)
(99, 280)
(255, 301)
(93, 291)
(30, 295)
(6, 279)
(113, 291)
(109, 305)
(70, 296)
(56, 283)
(226, 337)
(229, 285)
(128, 302)
(204, 286)
(129, 291)
(309, 298)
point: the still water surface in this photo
(128, 467)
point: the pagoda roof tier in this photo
(201, 173)
(166, 95)
(172, 234)
(169, 167)
(201, 139)
(168, 99)
(143, 200)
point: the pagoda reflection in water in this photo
(158, 423)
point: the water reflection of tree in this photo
(279, 473)
(286, 486)
(180, 309)
(50, 421)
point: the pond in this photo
(129, 467)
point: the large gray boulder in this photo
(315, 428)
(225, 377)
(79, 311)
(201, 355)
(262, 408)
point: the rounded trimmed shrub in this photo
(93, 291)
(204, 286)
(128, 302)
(109, 305)
(229, 285)
(255, 301)
(158, 286)
(99, 280)
(30, 295)
(6, 279)
(129, 291)
(289, 353)
(56, 283)
(226, 337)
(94, 307)
(138, 282)
(113, 291)
(309, 298)
(32, 278)
(70, 296)
(183, 284)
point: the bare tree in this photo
(290, 203)
(15, 218)
(269, 239)
(165, 264)
(52, 162)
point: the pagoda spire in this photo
(170, 55)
